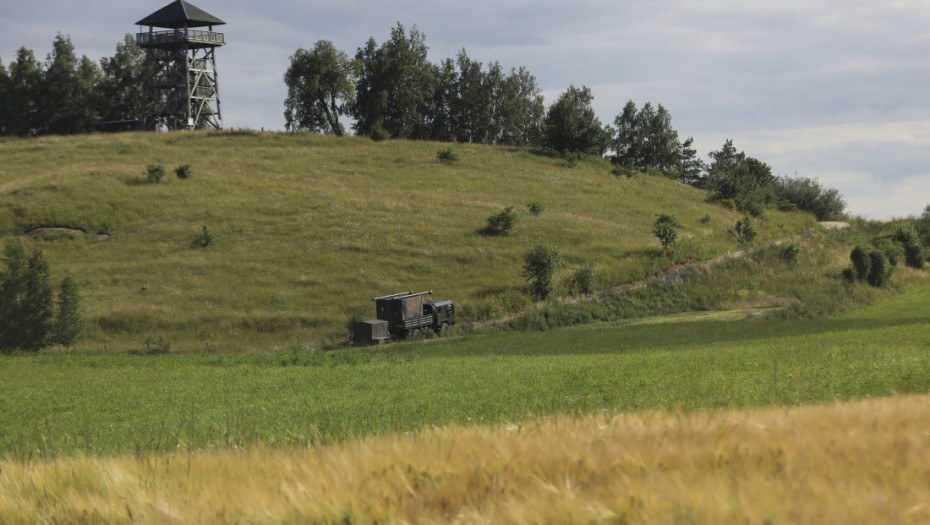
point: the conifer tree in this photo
(68, 322)
(27, 303)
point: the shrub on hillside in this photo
(584, 280)
(539, 266)
(501, 223)
(666, 229)
(447, 156)
(913, 250)
(879, 269)
(378, 133)
(68, 325)
(889, 247)
(535, 208)
(862, 263)
(923, 226)
(205, 238)
(155, 173)
(183, 171)
(809, 195)
(849, 274)
(744, 230)
(789, 254)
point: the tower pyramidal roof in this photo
(179, 14)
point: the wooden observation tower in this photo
(181, 90)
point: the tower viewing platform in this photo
(180, 35)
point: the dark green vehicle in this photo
(405, 315)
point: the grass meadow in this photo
(743, 391)
(860, 462)
(120, 404)
(307, 228)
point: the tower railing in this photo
(180, 36)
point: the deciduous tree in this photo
(319, 89)
(809, 195)
(666, 230)
(539, 266)
(122, 83)
(25, 83)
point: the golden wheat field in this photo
(863, 462)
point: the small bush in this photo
(155, 173)
(624, 171)
(789, 254)
(889, 247)
(573, 158)
(183, 171)
(751, 206)
(879, 270)
(705, 219)
(447, 156)
(861, 263)
(378, 133)
(501, 223)
(205, 238)
(535, 208)
(744, 230)
(666, 230)
(539, 266)
(584, 280)
(913, 250)
(849, 274)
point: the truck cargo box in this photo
(372, 332)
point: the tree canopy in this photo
(571, 126)
(67, 94)
(28, 317)
(646, 139)
(319, 89)
(393, 85)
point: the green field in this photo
(107, 404)
(307, 228)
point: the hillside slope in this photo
(306, 228)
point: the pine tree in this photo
(26, 301)
(68, 323)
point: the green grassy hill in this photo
(307, 228)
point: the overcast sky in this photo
(829, 89)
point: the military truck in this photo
(404, 315)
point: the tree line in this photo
(66, 94)
(391, 90)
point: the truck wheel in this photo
(415, 334)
